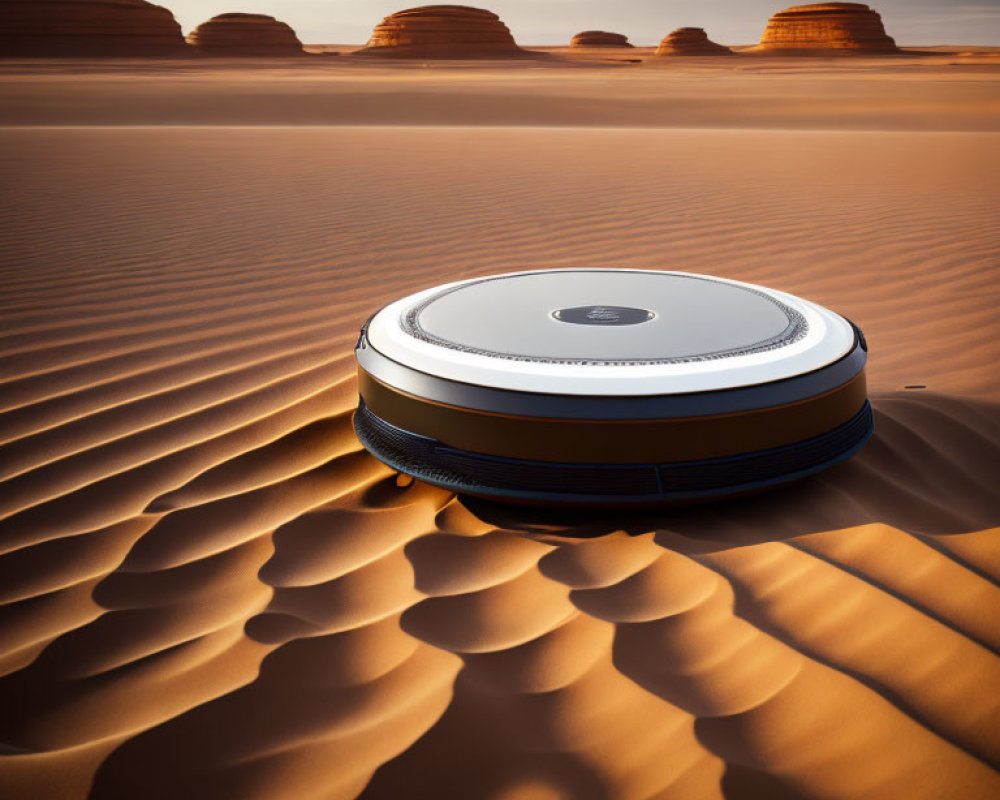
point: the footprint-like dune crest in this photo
(100, 28)
(837, 28)
(238, 34)
(599, 39)
(690, 42)
(442, 31)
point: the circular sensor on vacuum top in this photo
(603, 315)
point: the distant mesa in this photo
(442, 32)
(245, 35)
(843, 28)
(56, 28)
(599, 39)
(691, 42)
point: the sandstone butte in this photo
(599, 39)
(442, 32)
(843, 28)
(125, 28)
(691, 42)
(245, 35)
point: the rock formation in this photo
(42, 28)
(245, 35)
(831, 27)
(599, 39)
(691, 42)
(442, 32)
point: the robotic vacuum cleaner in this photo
(610, 387)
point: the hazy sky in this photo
(644, 21)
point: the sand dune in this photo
(207, 589)
(923, 91)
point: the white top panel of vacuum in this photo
(616, 332)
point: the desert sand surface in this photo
(209, 590)
(955, 90)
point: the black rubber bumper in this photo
(606, 484)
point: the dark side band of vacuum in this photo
(681, 438)
(479, 474)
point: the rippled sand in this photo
(207, 589)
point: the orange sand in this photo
(207, 590)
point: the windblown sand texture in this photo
(239, 34)
(208, 590)
(599, 39)
(442, 32)
(691, 42)
(37, 28)
(837, 27)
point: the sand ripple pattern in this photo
(207, 589)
